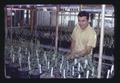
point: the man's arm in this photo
(71, 55)
(84, 52)
(72, 46)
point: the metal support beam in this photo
(101, 43)
(56, 37)
(11, 24)
(6, 28)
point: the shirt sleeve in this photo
(92, 40)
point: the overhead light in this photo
(44, 9)
(54, 8)
(28, 6)
(20, 6)
(13, 13)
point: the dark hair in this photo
(83, 13)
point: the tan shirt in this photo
(83, 38)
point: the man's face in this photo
(83, 22)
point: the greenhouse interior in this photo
(38, 39)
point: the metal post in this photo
(6, 28)
(5, 37)
(35, 27)
(31, 20)
(56, 37)
(101, 42)
(98, 20)
(80, 8)
(11, 25)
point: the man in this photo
(83, 38)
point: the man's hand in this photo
(70, 56)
